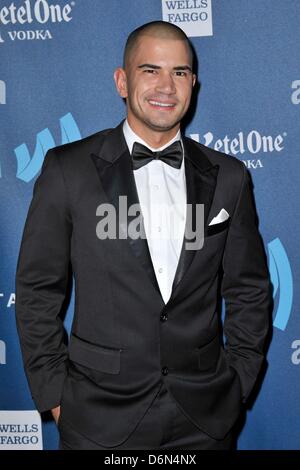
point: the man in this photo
(145, 367)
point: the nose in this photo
(166, 84)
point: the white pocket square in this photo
(221, 217)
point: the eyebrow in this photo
(157, 67)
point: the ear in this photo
(121, 82)
(194, 79)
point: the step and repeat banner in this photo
(57, 59)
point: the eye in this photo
(151, 71)
(180, 73)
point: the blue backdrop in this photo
(57, 60)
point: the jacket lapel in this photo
(201, 180)
(113, 164)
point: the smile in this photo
(161, 105)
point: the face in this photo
(157, 83)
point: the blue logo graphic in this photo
(282, 280)
(27, 167)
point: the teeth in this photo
(164, 105)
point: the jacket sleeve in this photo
(41, 282)
(246, 290)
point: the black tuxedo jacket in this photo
(124, 339)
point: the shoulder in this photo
(231, 169)
(84, 146)
(225, 161)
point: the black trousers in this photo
(163, 427)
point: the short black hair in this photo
(161, 29)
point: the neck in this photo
(154, 139)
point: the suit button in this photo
(165, 371)
(163, 317)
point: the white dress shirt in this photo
(162, 195)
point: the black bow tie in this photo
(171, 155)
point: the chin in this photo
(162, 125)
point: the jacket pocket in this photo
(94, 356)
(217, 228)
(208, 354)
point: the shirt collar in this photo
(131, 137)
